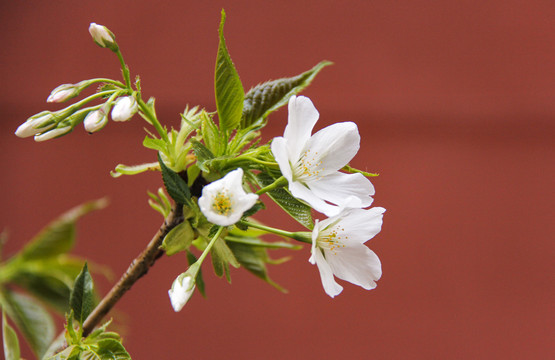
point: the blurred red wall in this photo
(455, 104)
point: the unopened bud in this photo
(63, 92)
(181, 291)
(36, 124)
(53, 133)
(95, 120)
(103, 37)
(124, 108)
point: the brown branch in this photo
(138, 267)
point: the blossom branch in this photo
(138, 267)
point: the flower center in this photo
(332, 239)
(307, 166)
(222, 203)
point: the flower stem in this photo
(280, 182)
(153, 120)
(124, 69)
(138, 267)
(210, 244)
(299, 236)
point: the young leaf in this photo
(111, 349)
(178, 239)
(228, 87)
(265, 98)
(298, 210)
(59, 237)
(202, 153)
(175, 186)
(81, 299)
(11, 343)
(221, 258)
(253, 259)
(34, 322)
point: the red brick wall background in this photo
(455, 104)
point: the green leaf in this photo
(175, 186)
(111, 349)
(32, 320)
(254, 260)
(59, 237)
(221, 258)
(11, 343)
(298, 210)
(202, 153)
(178, 239)
(199, 281)
(81, 299)
(70, 353)
(265, 98)
(229, 90)
(155, 144)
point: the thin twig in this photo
(138, 267)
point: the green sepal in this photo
(298, 210)
(228, 87)
(199, 280)
(31, 318)
(155, 144)
(81, 299)
(176, 187)
(11, 343)
(178, 239)
(265, 98)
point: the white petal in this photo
(233, 181)
(338, 187)
(331, 287)
(335, 146)
(181, 291)
(361, 225)
(356, 264)
(302, 118)
(279, 149)
(300, 191)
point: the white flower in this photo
(102, 36)
(36, 124)
(53, 133)
(62, 93)
(311, 164)
(181, 291)
(338, 248)
(95, 120)
(224, 201)
(124, 108)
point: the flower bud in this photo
(103, 37)
(124, 108)
(63, 92)
(35, 124)
(95, 120)
(53, 133)
(181, 291)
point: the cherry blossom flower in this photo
(102, 36)
(338, 248)
(224, 201)
(311, 163)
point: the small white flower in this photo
(53, 133)
(311, 163)
(95, 120)
(224, 201)
(181, 291)
(338, 248)
(124, 108)
(62, 93)
(102, 36)
(36, 124)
